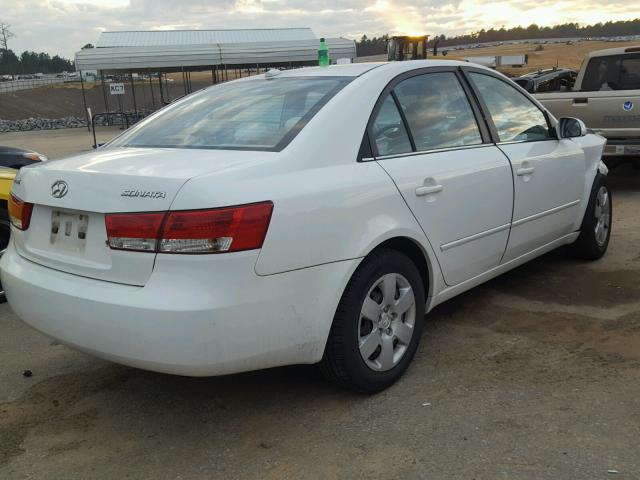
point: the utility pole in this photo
(5, 35)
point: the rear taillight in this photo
(218, 230)
(19, 212)
(134, 231)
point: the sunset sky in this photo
(63, 26)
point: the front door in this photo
(546, 171)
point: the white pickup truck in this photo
(606, 96)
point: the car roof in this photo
(346, 70)
(358, 69)
(613, 51)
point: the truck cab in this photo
(405, 47)
(606, 97)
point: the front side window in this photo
(254, 114)
(389, 133)
(438, 112)
(516, 118)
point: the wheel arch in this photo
(418, 255)
(404, 242)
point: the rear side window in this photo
(516, 118)
(254, 114)
(613, 72)
(389, 133)
(437, 111)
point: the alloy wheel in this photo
(387, 320)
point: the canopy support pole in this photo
(104, 95)
(84, 102)
(153, 100)
(160, 85)
(133, 93)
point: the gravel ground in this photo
(534, 375)
(58, 143)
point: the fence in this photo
(29, 83)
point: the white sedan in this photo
(304, 216)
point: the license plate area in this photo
(69, 229)
(632, 150)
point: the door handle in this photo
(521, 172)
(580, 101)
(428, 190)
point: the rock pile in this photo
(41, 124)
(58, 123)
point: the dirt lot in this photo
(58, 143)
(563, 55)
(63, 100)
(551, 55)
(534, 375)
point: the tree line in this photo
(377, 45)
(32, 62)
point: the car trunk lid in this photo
(71, 197)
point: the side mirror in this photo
(571, 128)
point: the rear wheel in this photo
(377, 325)
(596, 225)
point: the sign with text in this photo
(116, 88)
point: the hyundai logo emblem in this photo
(627, 106)
(59, 189)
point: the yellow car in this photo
(6, 182)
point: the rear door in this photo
(548, 173)
(425, 133)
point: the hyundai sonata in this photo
(303, 216)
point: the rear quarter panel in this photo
(321, 214)
(593, 146)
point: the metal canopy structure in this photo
(201, 37)
(177, 57)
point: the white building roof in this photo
(152, 38)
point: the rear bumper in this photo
(622, 147)
(196, 316)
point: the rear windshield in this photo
(614, 72)
(254, 114)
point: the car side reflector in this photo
(19, 212)
(217, 230)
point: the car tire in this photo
(367, 355)
(595, 231)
